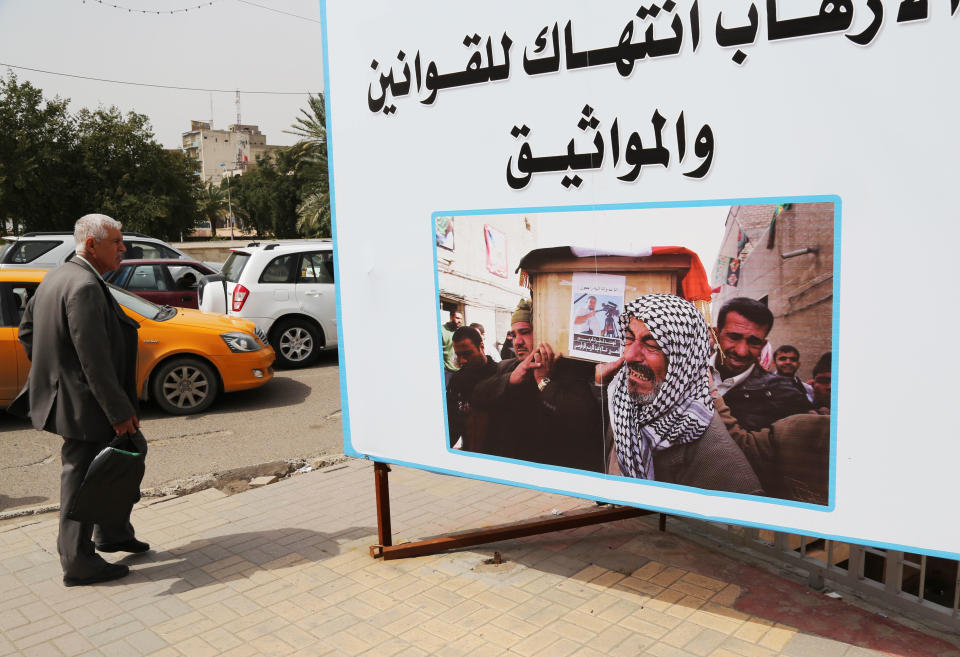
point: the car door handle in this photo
(314, 293)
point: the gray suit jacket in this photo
(83, 350)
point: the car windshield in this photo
(235, 263)
(141, 306)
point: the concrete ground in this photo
(285, 570)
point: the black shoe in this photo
(130, 545)
(108, 573)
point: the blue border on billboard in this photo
(349, 450)
(835, 200)
(341, 352)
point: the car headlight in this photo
(240, 342)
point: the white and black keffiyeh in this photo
(683, 407)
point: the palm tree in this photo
(213, 205)
(311, 127)
(309, 159)
(314, 214)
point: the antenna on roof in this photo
(240, 140)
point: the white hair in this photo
(95, 226)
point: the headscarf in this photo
(683, 406)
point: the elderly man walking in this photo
(664, 424)
(82, 386)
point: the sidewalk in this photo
(285, 570)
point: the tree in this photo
(308, 158)
(56, 167)
(38, 153)
(212, 205)
(127, 175)
(314, 214)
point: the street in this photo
(296, 415)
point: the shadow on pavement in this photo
(232, 557)
(15, 502)
(12, 422)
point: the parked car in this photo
(287, 289)
(186, 358)
(52, 249)
(164, 282)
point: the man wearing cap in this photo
(539, 406)
(664, 424)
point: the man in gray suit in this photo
(82, 385)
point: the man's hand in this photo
(544, 358)
(539, 364)
(128, 426)
(714, 391)
(604, 372)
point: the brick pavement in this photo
(284, 570)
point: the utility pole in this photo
(229, 204)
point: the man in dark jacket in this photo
(539, 407)
(82, 385)
(756, 398)
(475, 366)
(786, 359)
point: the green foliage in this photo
(55, 167)
(309, 158)
(38, 150)
(212, 205)
(266, 197)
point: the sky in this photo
(223, 45)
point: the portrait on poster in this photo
(595, 309)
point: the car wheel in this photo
(296, 342)
(184, 385)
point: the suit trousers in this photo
(75, 543)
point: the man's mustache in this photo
(641, 368)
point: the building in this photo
(477, 258)
(784, 257)
(219, 153)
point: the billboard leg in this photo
(496, 533)
(382, 485)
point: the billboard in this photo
(623, 151)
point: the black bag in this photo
(112, 483)
(764, 398)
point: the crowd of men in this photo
(684, 404)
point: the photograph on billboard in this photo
(624, 360)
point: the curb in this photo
(229, 481)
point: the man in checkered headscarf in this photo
(664, 424)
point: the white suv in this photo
(49, 250)
(287, 289)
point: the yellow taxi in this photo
(186, 358)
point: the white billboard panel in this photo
(795, 149)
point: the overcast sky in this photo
(226, 44)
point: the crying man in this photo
(664, 424)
